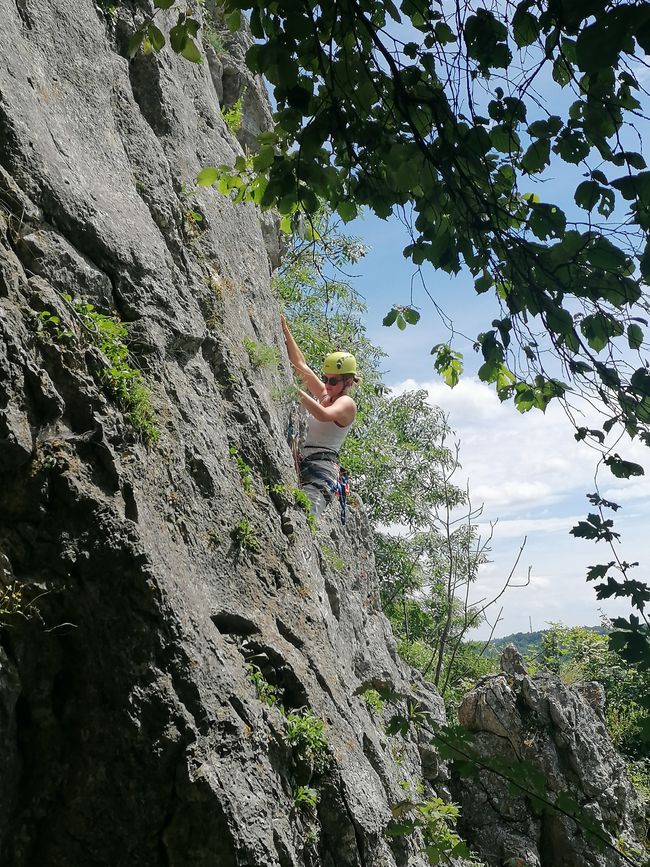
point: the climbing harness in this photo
(311, 474)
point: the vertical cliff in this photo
(154, 568)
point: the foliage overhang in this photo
(450, 126)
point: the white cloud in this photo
(513, 461)
(518, 528)
(533, 476)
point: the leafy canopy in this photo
(437, 112)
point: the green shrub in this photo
(123, 383)
(436, 821)
(303, 502)
(305, 735)
(374, 701)
(305, 798)
(215, 39)
(50, 323)
(261, 355)
(266, 692)
(336, 563)
(11, 601)
(233, 116)
(244, 537)
(245, 472)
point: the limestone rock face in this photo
(131, 730)
(560, 731)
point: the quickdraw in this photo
(293, 438)
(342, 491)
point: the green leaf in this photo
(264, 159)
(572, 146)
(178, 38)
(207, 176)
(505, 139)
(537, 156)
(525, 27)
(163, 4)
(599, 328)
(135, 41)
(546, 221)
(597, 573)
(561, 71)
(634, 336)
(233, 20)
(390, 317)
(559, 320)
(599, 44)
(347, 210)
(412, 316)
(587, 195)
(192, 26)
(156, 38)
(623, 469)
(191, 52)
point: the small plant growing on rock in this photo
(193, 219)
(303, 502)
(332, 559)
(50, 323)
(310, 838)
(123, 383)
(213, 38)
(374, 701)
(243, 536)
(11, 601)
(305, 798)
(245, 472)
(305, 735)
(436, 820)
(266, 692)
(234, 115)
(261, 355)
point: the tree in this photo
(439, 115)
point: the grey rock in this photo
(558, 730)
(47, 253)
(512, 662)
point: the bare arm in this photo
(342, 411)
(297, 359)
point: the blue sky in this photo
(527, 470)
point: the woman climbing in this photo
(331, 413)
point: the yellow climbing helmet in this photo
(340, 362)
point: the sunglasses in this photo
(330, 380)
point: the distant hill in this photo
(526, 641)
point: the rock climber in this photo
(331, 413)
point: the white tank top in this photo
(325, 434)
